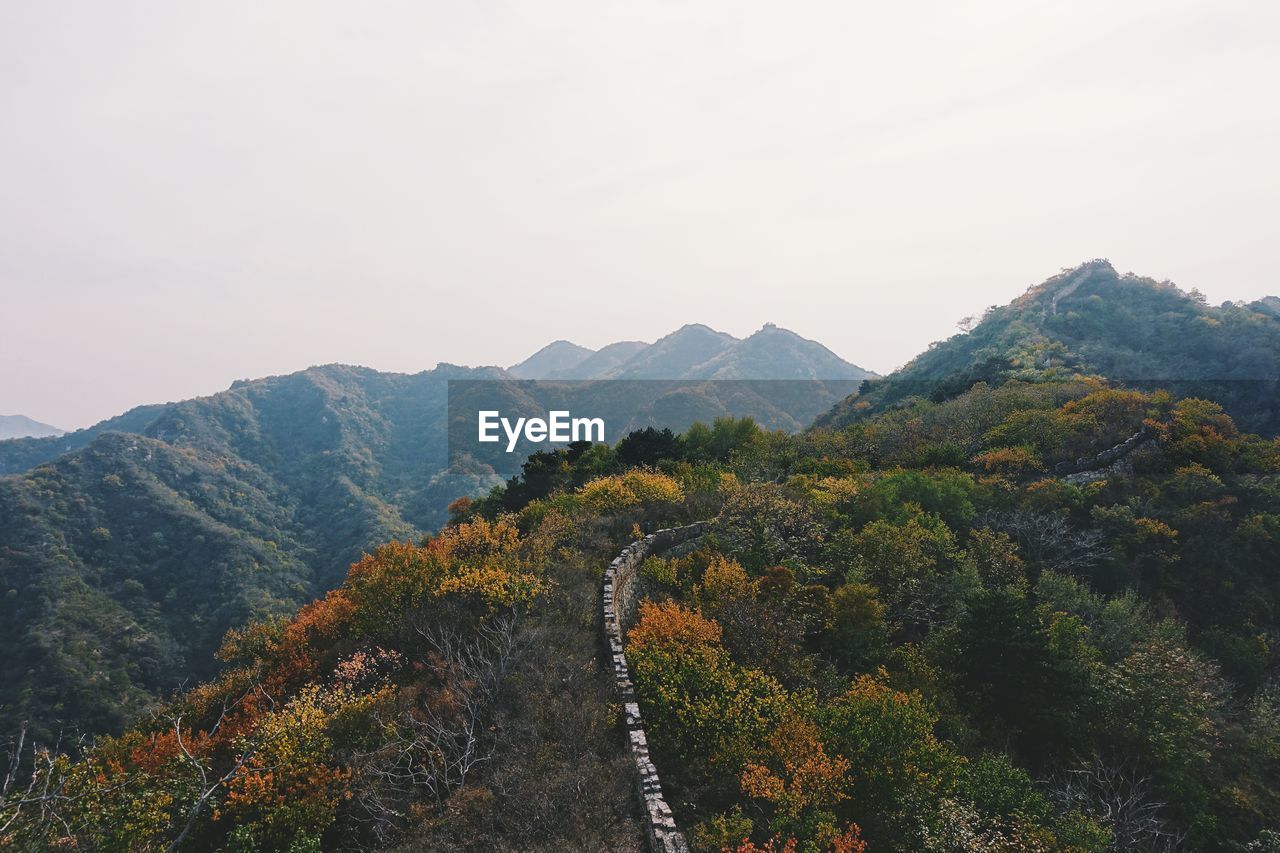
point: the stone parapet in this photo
(619, 601)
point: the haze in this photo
(198, 192)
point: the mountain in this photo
(1093, 321)
(129, 548)
(22, 454)
(924, 643)
(694, 351)
(126, 559)
(982, 609)
(774, 353)
(555, 356)
(600, 362)
(675, 356)
(1269, 304)
(21, 426)
(700, 352)
(123, 564)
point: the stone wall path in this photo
(619, 603)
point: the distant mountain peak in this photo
(699, 329)
(673, 356)
(772, 329)
(601, 361)
(21, 426)
(773, 352)
(556, 356)
(693, 351)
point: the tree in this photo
(695, 699)
(1163, 704)
(1012, 680)
(798, 779)
(647, 446)
(995, 557)
(858, 633)
(896, 763)
(900, 557)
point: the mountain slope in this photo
(21, 426)
(977, 646)
(675, 356)
(774, 353)
(123, 564)
(601, 361)
(336, 458)
(555, 356)
(1093, 321)
(125, 560)
(21, 454)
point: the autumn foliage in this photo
(318, 714)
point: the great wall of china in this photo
(1109, 463)
(619, 601)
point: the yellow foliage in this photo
(723, 578)
(836, 492)
(634, 488)
(652, 487)
(607, 495)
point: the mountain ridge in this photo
(555, 356)
(272, 488)
(694, 351)
(21, 426)
(1091, 320)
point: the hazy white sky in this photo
(195, 192)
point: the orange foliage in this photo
(669, 623)
(163, 747)
(320, 619)
(773, 845)
(1013, 462)
(849, 841)
(796, 773)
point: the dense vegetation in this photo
(904, 633)
(1093, 321)
(967, 654)
(125, 558)
(447, 696)
(1017, 607)
(123, 562)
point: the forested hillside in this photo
(908, 634)
(140, 541)
(1000, 601)
(1093, 321)
(124, 561)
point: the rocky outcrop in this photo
(619, 600)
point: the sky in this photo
(193, 193)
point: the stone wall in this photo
(621, 590)
(1109, 463)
